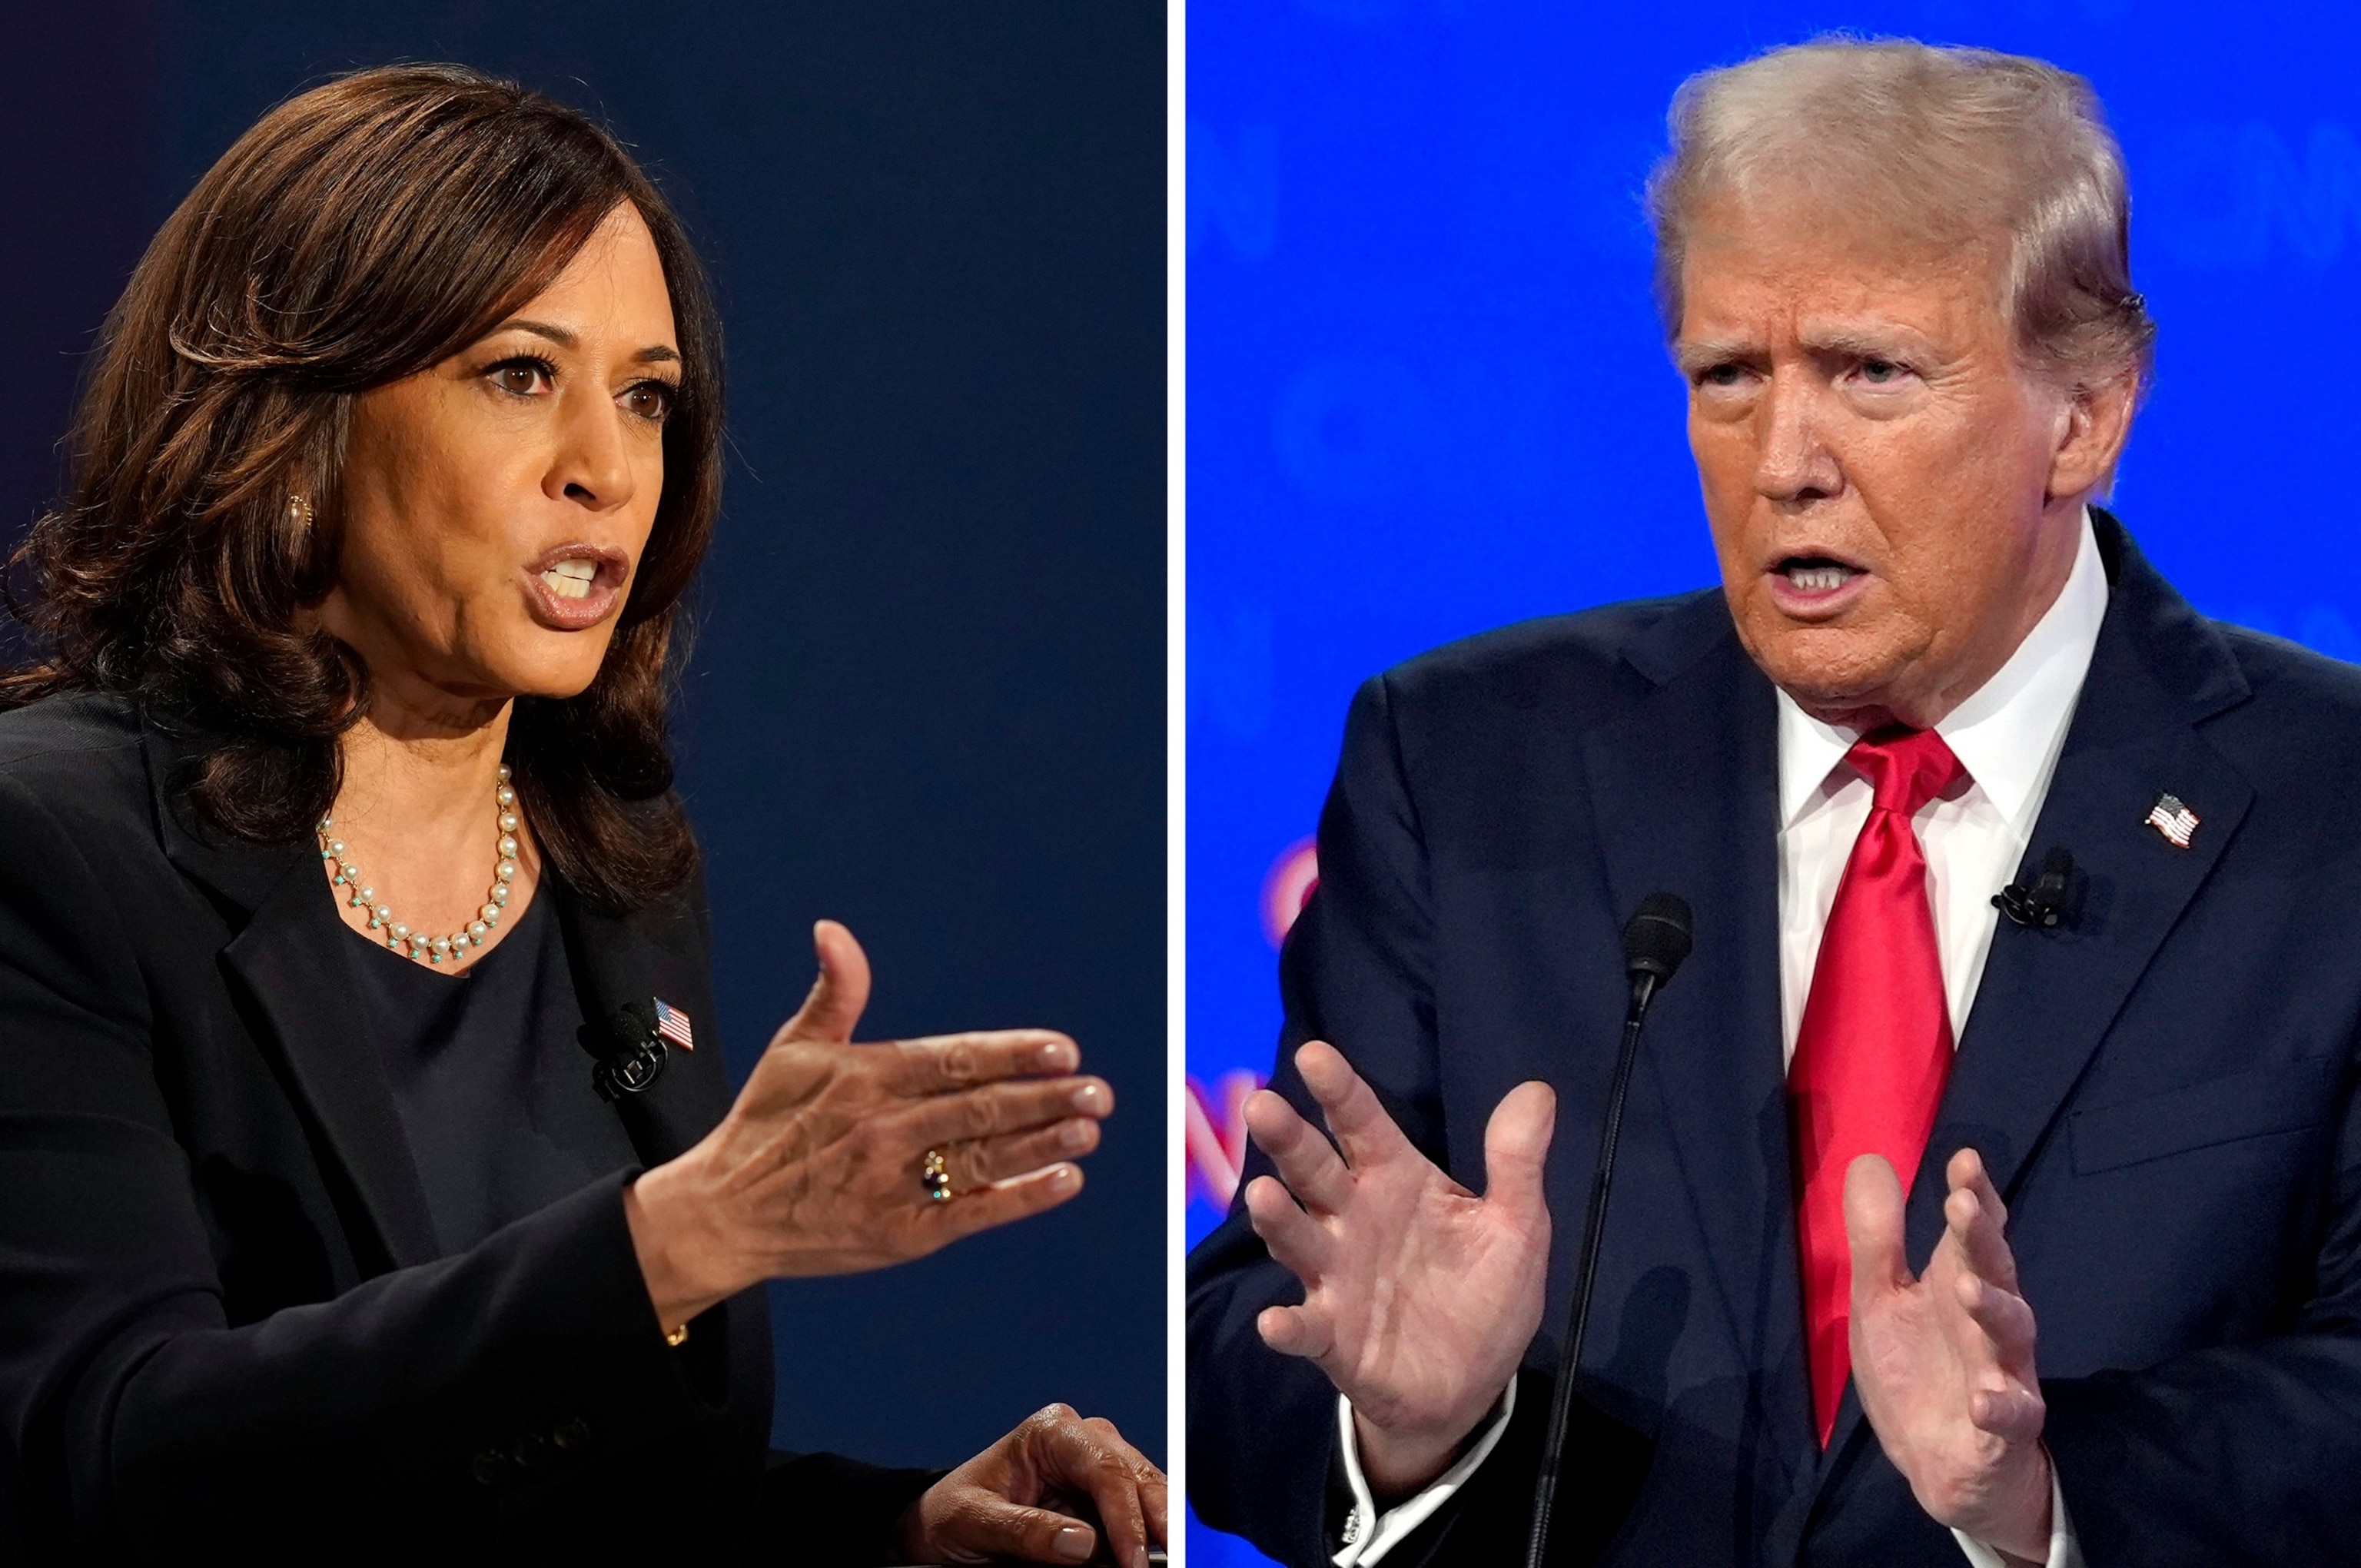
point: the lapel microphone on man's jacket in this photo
(1654, 943)
(2044, 901)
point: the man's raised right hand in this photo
(1420, 1297)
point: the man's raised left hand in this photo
(1944, 1362)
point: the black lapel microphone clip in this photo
(629, 1054)
(2045, 902)
(1658, 937)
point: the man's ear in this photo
(2096, 422)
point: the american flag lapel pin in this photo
(673, 1024)
(2171, 815)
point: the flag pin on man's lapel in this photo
(2171, 815)
(673, 1024)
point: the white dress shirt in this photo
(2007, 736)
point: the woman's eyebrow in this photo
(655, 353)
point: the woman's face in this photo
(495, 506)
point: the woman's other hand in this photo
(820, 1165)
(1032, 1496)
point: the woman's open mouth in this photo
(575, 586)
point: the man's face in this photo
(1880, 472)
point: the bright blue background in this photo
(1428, 393)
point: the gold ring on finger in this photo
(935, 1176)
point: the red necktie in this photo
(1875, 1045)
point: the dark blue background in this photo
(928, 695)
(1428, 392)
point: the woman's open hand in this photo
(1032, 1496)
(820, 1165)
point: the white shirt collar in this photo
(2007, 732)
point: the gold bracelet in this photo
(677, 1337)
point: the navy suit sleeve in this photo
(139, 1422)
(2237, 1453)
(1356, 972)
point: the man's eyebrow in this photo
(1703, 354)
(655, 354)
(1881, 341)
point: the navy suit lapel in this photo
(1685, 793)
(2047, 997)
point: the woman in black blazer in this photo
(335, 828)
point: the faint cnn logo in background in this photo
(2236, 195)
(1216, 1126)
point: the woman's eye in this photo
(650, 400)
(522, 378)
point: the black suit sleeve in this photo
(138, 1421)
(1357, 972)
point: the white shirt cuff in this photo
(1369, 1535)
(2065, 1552)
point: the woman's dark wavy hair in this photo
(359, 234)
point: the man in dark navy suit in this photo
(1936, 1237)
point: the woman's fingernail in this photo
(1073, 1543)
(1065, 1179)
(1059, 1056)
(1075, 1134)
(1090, 1099)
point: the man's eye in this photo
(1880, 372)
(1721, 375)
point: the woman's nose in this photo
(593, 465)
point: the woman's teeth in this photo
(571, 580)
(1818, 580)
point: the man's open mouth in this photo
(1816, 573)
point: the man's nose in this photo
(1793, 463)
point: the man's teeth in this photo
(571, 580)
(1818, 579)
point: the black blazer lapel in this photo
(1685, 793)
(2047, 997)
(288, 961)
(620, 960)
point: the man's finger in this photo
(1304, 1330)
(839, 996)
(1291, 1236)
(941, 1064)
(2006, 1318)
(1981, 1231)
(1872, 1209)
(1305, 1159)
(1516, 1148)
(1354, 1111)
(2013, 1415)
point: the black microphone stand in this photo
(1654, 943)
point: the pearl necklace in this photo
(417, 944)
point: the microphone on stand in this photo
(1658, 937)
